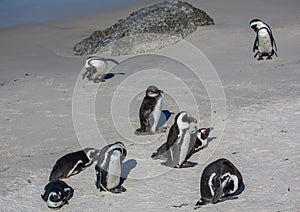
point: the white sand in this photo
(261, 137)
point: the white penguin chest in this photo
(114, 170)
(156, 113)
(264, 42)
(184, 146)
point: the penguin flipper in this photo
(161, 152)
(228, 198)
(255, 44)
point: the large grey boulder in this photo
(147, 29)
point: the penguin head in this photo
(257, 24)
(91, 152)
(203, 133)
(54, 199)
(121, 147)
(153, 91)
(184, 119)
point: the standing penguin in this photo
(73, 163)
(220, 181)
(109, 167)
(179, 143)
(264, 42)
(150, 112)
(96, 67)
(56, 194)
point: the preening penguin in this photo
(73, 163)
(96, 67)
(109, 167)
(180, 142)
(220, 181)
(150, 112)
(56, 194)
(264, 42)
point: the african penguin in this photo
(201, 140)
(264, 42)
(96, 67)
(73, 163)
(220, 181)
(150, 112)
(179, 143)
(109, 167)
(57, 193)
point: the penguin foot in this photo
(117, 190)
(200, 203)
(260, 58)
(187, 164)
(228, 198)
(269, 58)
(140, 132)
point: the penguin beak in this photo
(193, 120)
(160, 91)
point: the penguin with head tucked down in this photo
(179, 143)
(150, 112)
(56, 194)
(96, 67)
(264, 42)
(73, 163)
(220, 181)
(109, 167)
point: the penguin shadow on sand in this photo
(127, 166)
(164, 117)
(103, 78)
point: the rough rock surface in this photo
(169, 20)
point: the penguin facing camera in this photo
(220, 181)
(150, 112)
(264, 42)
(109, 167)
(179, 144)
(201, 140)
(57, 193)
(73, 163)
(96, 67)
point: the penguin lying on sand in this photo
(220, 181)
(73, 163)
(56, 194)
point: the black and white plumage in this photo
(73, 163)
(264, 42)
(180, 142)
(109, 167)
(96, 67)
(220, 181)
(57, 193)
(201, 140)
(150, 112)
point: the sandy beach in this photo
(48, 110)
